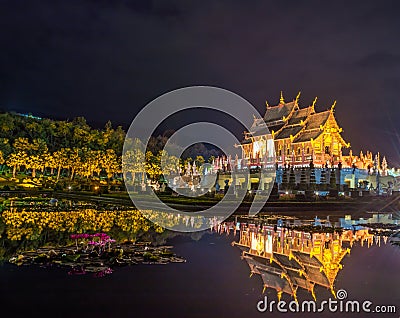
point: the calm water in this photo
(214, 282)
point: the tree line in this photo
(46, 146)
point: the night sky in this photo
(107, 59)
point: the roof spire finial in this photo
(333, 106)
(298, 97)
(314, 102)
(282, 101)
(266, 103)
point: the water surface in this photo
(214, 282)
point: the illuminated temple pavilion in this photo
(300, 135)
(299, 138)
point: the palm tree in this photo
(133, 161)
(37, 155)
(47, 161)
(34, 162)
(60, 160)
(73, 161)
(94, 162)
(85, 167)
(16, 160)
(109, 162)
(153, 165)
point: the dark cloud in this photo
(107, 59)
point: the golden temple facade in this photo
(301, 135)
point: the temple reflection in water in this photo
(289, 259)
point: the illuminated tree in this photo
(95, 157)
(47, 162)
(38, 146)
(109, 162)
(199, 161)
(133, 161)
(171, 163)
(34, 162)
(22, 144)
(73, 161)
(90, 162)
(153, 165)
(16, 160)
(60, 160)
(37, 155)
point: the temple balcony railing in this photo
(319, 161)
(322, 159)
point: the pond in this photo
(213, 282)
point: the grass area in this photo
(119, 195)
(168, 198)
(24, 181)
(212, 200)
(95, 187)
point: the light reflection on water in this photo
(214, 281)
(289, 259)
